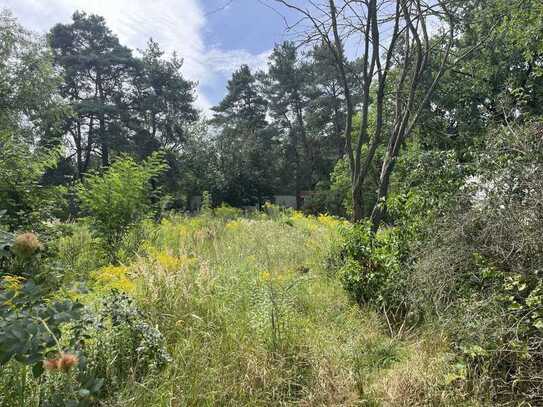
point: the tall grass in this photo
(252, 316)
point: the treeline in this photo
(78, 99)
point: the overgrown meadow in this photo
(215, 309)
(132, 305)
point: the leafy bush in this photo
(334, 196)
(79, 253)
(226, 212)
(26, 203)
(371, 267)
(64, 354)
(30, 326)
(40, 330)
(120, 197)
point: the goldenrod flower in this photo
(114, 277)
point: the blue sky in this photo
(213, 36)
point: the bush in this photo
(41, 329)
(120, 198)
(24, 201)
(79, 252)
(481, 273)
(227, 213)
(371, 267)
(53, 350)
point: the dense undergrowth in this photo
(471, 269)
(112, 295)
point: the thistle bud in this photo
(63, 363)
(26, 244)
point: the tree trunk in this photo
(102, 122)
(358, 208)
(90, 141)
(78, 151)
(380, 208)
(340, 143)
(104, 144)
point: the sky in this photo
(214, 37)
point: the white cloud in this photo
(228, 61)
(176, 25)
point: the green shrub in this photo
(371, 267)
(334, 196)
(125, 347)
(41, 329)
(120, 197)
(132, 243)
(226, 212)
(24, 201)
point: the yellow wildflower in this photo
(167, 261)
(328, 220)
(13, 283)
(233, 225)
(297, 215)
(114, 277)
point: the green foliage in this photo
(275, 330)
(340, 184)
(276, 327)
(479, 274)
(207, 202)
(120, 197)
(79, 252)
(26, 202)
(53, 350)
(6, 241)
(428, 180)
(95, 68)
(30, 328)
(30, 112)
(460, 248)
(29, 102)
(124, 347)
(39, 329)
(335, 196)
(372, 267)
(226, 212)
(164, 102)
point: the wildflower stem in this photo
(51, 333)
